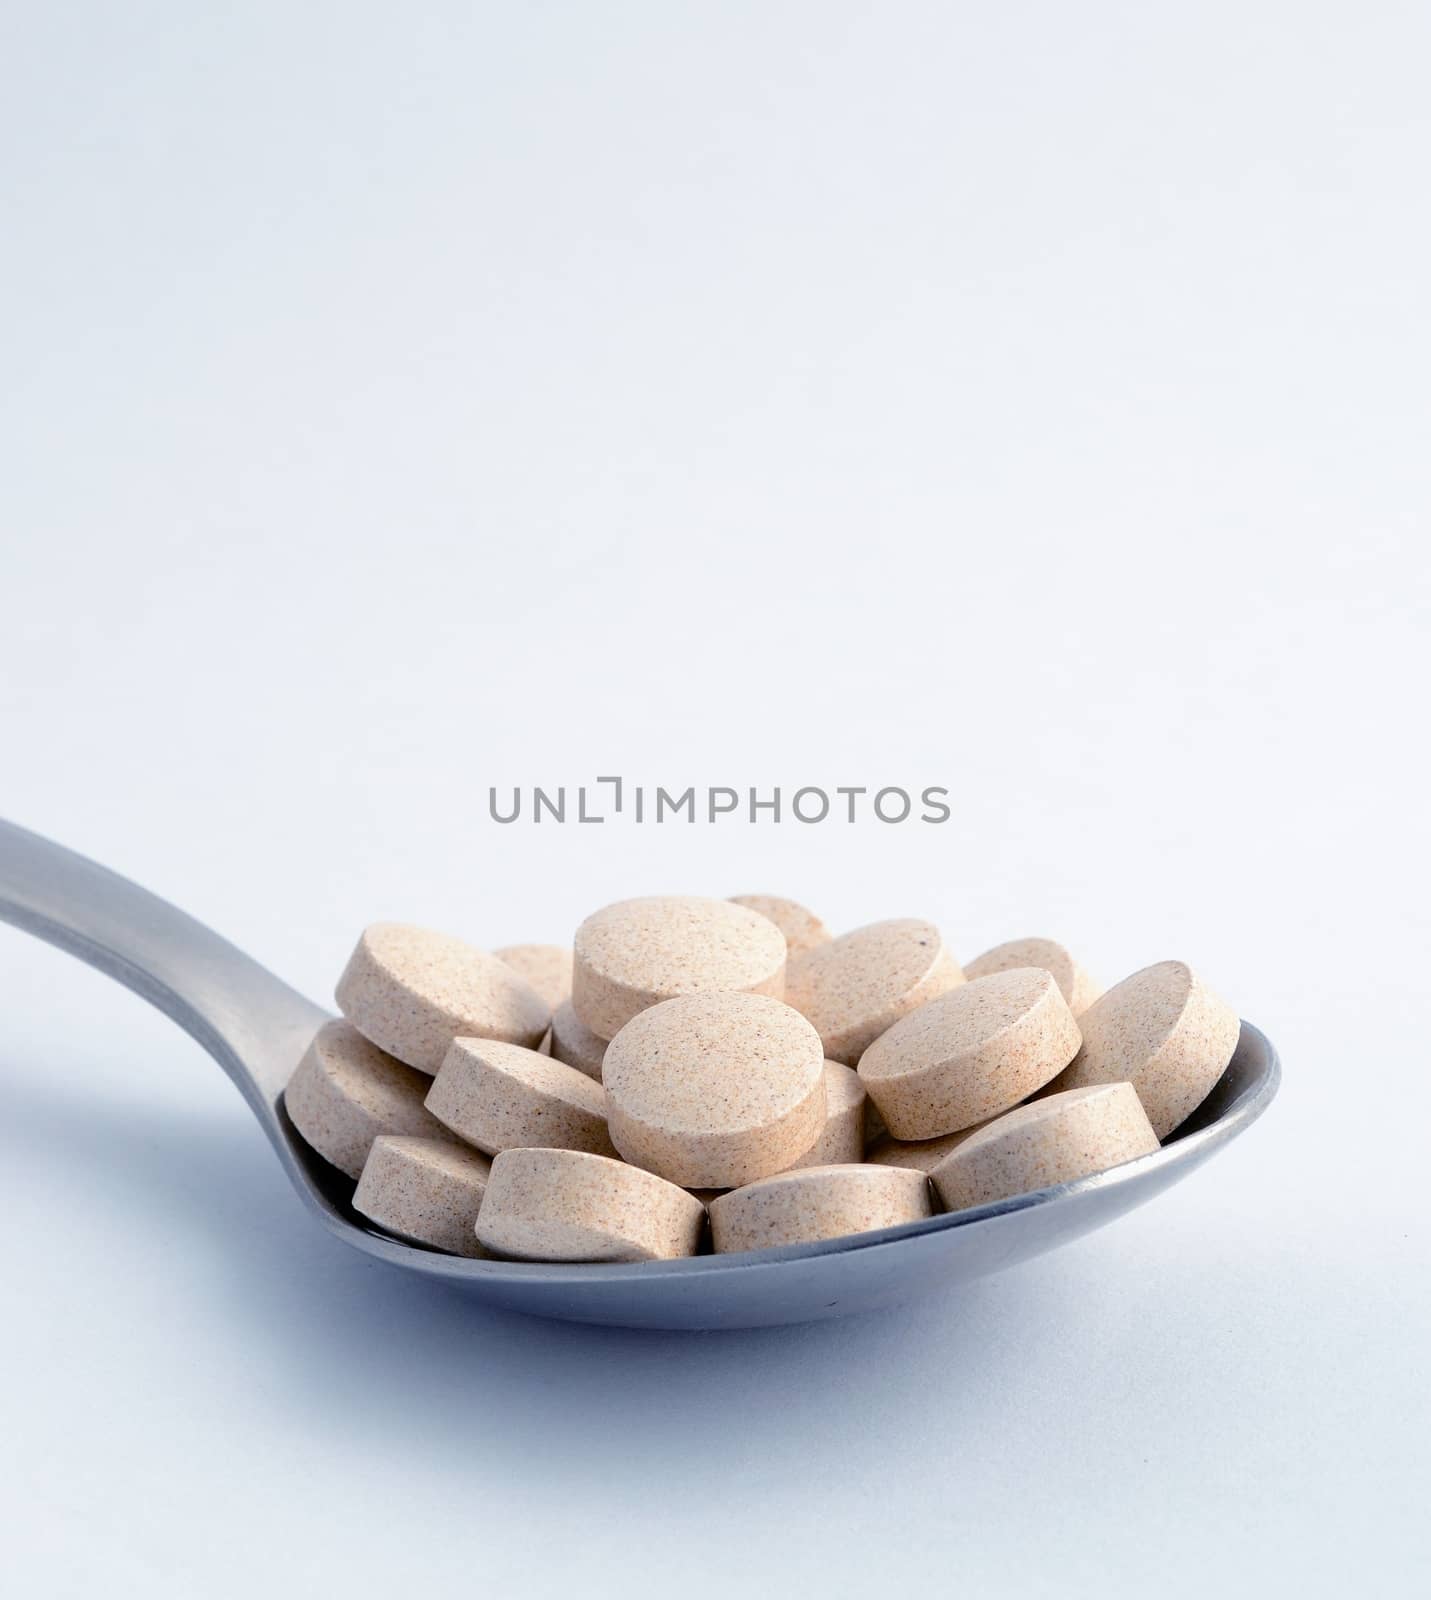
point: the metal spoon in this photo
(256, 1028)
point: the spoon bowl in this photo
(256, 1028)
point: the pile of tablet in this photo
(723, 1074)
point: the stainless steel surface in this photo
(256, 1028)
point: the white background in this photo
(1030, 399)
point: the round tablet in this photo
(563, 1205)
(803, 930)
(842, 1138)
(498, 1096)
(1053, 1140)
(857, 986)
(970, 1054)
(1073, 982)
(817, 1203)
(923, 1155)
(546, 967)
(427, 1191)
(639, 952)
(345, 1092)
(714, 1090)
(574, 1043)
(1165, 1032)
(413, 992)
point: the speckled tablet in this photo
(564, 1205)
(574, 1043)
(499, 1096)
(803, 930)
(546, 967)
(345, 1092)
(858, 986)
(1052, 1140)
(1074, 984)
(817, 1203)
(427, 1191)
(842, 1138)
(412, 992)
(714, 1090)
(637, 953)
(971, 1054)
(923, 1155)
(1165, 1032)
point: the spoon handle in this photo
(252, 1023)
